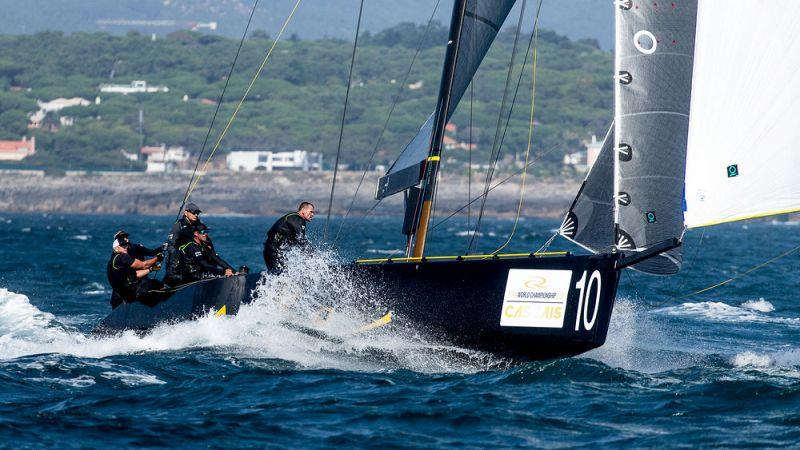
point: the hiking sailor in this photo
(198, 260)
(128, 276)
(181, 233)
(289, 231)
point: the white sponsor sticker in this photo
(535, 298)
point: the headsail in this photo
(590, 220)
(482, 22)
(654, 58)
(744, 140)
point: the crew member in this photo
(128, 276)
(181, 233)
(289, 231)
(135, 251)
(198, 260)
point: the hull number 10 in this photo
(585, 290)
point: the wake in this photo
(314, 293)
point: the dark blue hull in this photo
(185, 303)
(522, 307)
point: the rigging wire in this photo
(241, 102)
(216, 111)
(469, 157)
(497, 144)
(379, 141)
(738, 276)
(341, 128)
(499, 183)
(746, 272)
(530, 129)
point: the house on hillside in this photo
(37, 118)
(582, 161)
(17, 150)
(136, 87)
(164, 159)
(257, 160)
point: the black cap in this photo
(201, 227)
(192, 208)
(120, 234)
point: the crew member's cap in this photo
(192, 208)
(120, 239)
(202, 228)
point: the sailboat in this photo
(703, 133)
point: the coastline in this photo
(260, 194)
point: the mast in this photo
(440, 121)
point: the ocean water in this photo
(716, 369)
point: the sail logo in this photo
(535, 298)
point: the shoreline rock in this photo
(262, 193)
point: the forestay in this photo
(744, 137)
(482, 23)
(654, 54)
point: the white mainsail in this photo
(743, 154)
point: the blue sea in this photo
(718, 369)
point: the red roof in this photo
(15, 146)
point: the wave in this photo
(638, 341)
(81, 237)
(96, 288)
(751, 311)
(263, 330)
(383, 252)
(760, 305)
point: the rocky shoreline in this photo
(258, 193)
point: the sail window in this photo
(639, 43)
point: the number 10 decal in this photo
(583, 300)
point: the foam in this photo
(133, 379)
(760, 305)
(259, 330)
(752, 311)
(638, 341)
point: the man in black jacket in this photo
(289, 231)
(198, 260)
(181, 233)
(128, 276)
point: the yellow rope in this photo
(530, 130)
(241, 102)
(752, 269)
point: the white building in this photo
(164, 159)
(593, 150)
(136, 87)
(583, 161)
(253, 160)
(55, 106)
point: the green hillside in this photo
(298, 100)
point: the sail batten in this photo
(483, 20)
